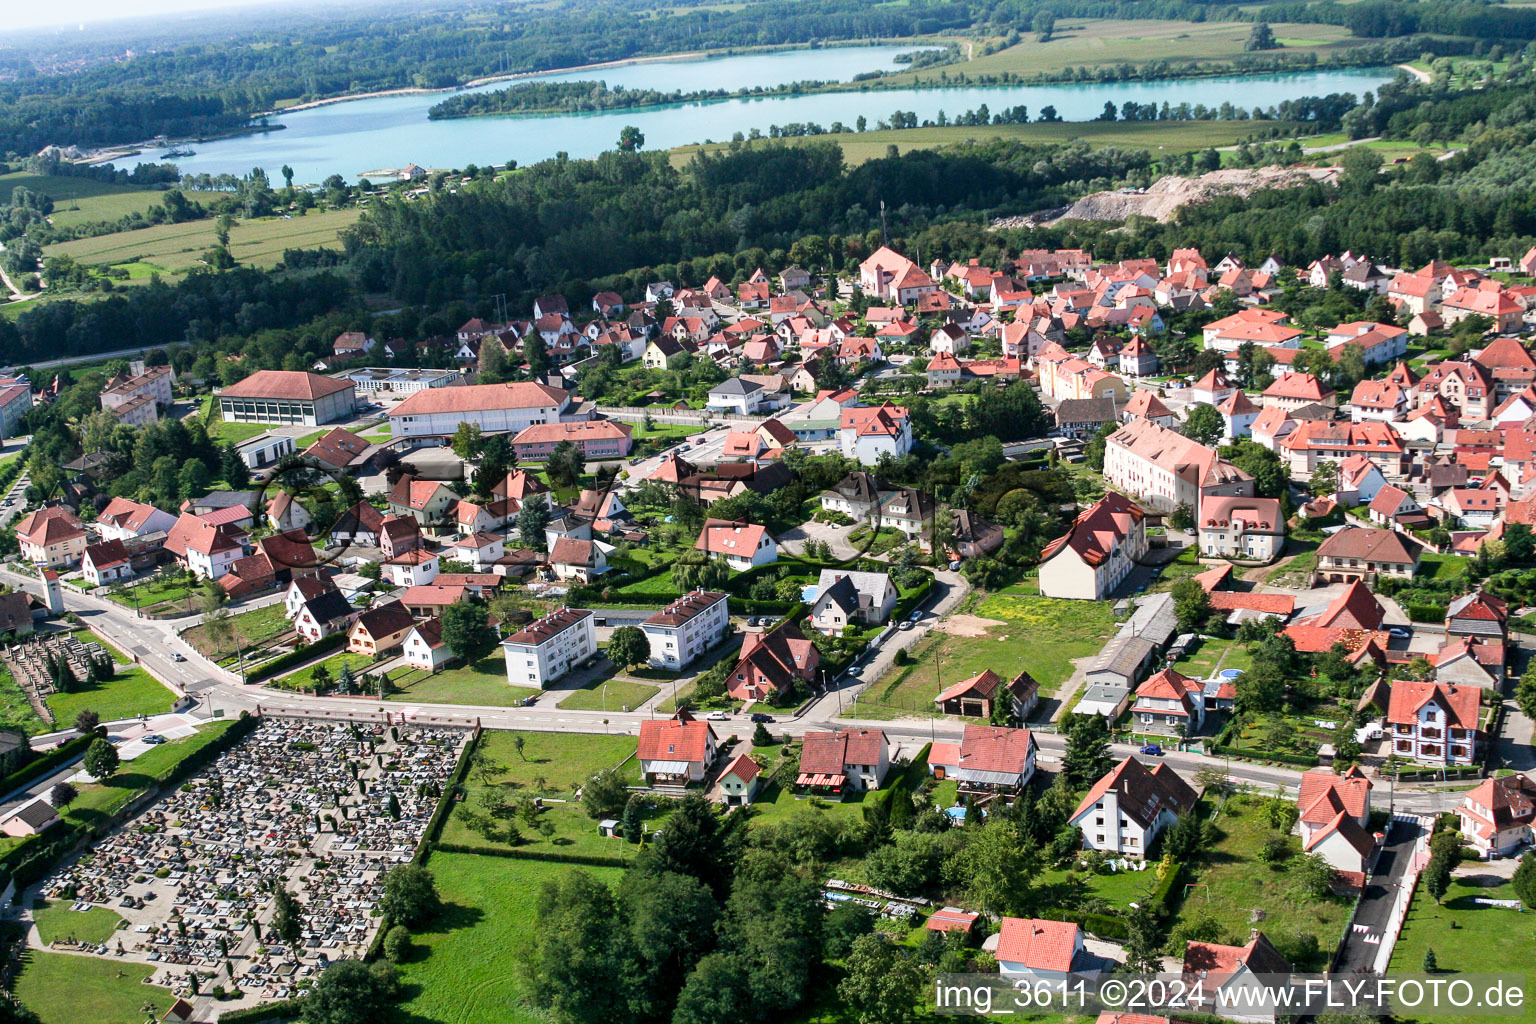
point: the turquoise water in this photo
(392, 131)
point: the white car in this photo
(718, 716)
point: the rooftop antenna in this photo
(884, 239)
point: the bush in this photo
(397, 945)
(283, 662)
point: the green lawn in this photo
(1234, 880)
(153, 592)
(777, 802)
(619, 693)
(1209, 653)
(131, 692)
(360, 663)
(1040, 635)
(64, 989)
(870, 543)
(466, 967)
(1117, 889)
(1466, 937)
(58, 922)
(223, 432)
(253, 631)
(553, 766)
(484, 682)
(180, 247)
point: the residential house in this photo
(1166, 469)
(596, 439)
(1045, 951)
(677, 750)
(1478, 614)
(1082, 417)
(1170, 703)
(422, 501)
(889, 276)
(980, 695)
(582, 560)
(546, 649)
(975, 537)
(1434, 723)
(1294, 390)
(743, 545)
(482, 550)
(740, 781)
(1235, 982)
(1241, 528)
(1335, 814)
(1097, 552)
(846, 598)
(1126, 809)
(106, 562)
(326, 613)
(208, 550)
(1497, 817)
(867, 432)
(850, 760)
(1362, 553)
(1144, 404)
(379, 629)
(51, 536)
(125, 519)
(989, 761)
(771, 663)
(686, 628)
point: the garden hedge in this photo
(283, 1009)
(587, 859)
(43, 764)
(1303, 760)
(445, 805)
(1103, 926)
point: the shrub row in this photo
(1102, 926)
(1426, 612)
(1162, 896)
(293, 659)
(588, 859)
(1304, 760)
(45, 764)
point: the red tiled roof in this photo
(481, 398)
(294, 385)
(1459, 702)
(1038, 945)
(682, 738)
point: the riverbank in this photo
(1424, 77)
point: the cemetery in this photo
(268, 864)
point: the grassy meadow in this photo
(177, 248)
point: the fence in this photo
(666, 414)
(379, 716)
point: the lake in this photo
(392, 131)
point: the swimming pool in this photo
(1231, 673)
(808, 593)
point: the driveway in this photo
(1363, 940)
(794, 540)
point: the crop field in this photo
(1171, 136)
(1090, 42)
(61, 189)
(175, 248)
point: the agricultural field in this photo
(464, 969)
(1091, 42)
(1018, 631)
(1172, 136)
(177, 248)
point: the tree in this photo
(287, 917)
(1429, 964)
(352, 992)
(1524, 881)
(1142, 955)
(761, 737)
(468, 441)
(62, 794)
(1262, 38)
(604, 794)
(1191, 604)
(86, 722)
(1183, 517)
(575, 967)
(397, 944)
(467, 630)
(631, 138)
(1094, 450)
(884, 985)
(410, 895)
(1204, 424)
(628, 647)
(100, 759)
(690, 843)
(632, 825)
(1087, 755)
(531, 520)
(1043, 25)
(565, 464)
(1325, 478)
(996, 866)
(1525, 692)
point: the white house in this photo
(498, 408)
(1127, 808)
(1165, 469)
(851, 759)
(1433, 722)
(424, 647)
(687, 628)
(1246, 529)
(546, 649)
(737, 395)
(1235, 980)
(867, 432)
(126, 519)
(1040, 950)
(740, 781)
(848, 598)
(1497, 817)
(1098, 551)
(743, 545)
(323, 614)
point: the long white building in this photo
(437, 412)
(686, 628)
(1165, 469)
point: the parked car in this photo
(758, 716)
(1152, 749)
(908, 624)
(154, 740)
(1399, 631)
(915, 615)
(178, 656)
(718, 716)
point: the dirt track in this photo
(1164, 197)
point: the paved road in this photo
(1363, 940)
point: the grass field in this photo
(158, 593)
(179, 247)
(63, 190)
(484, 682)
(465, 970)
(64, 989)
(15, 710)
(1036, 634)
(1466, 937)
(132, 691)
(553, 766)
(1092, 42)
(620, 693)
(1208, 655)
(1235, 880)
(59, 922)
(1172, 136)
